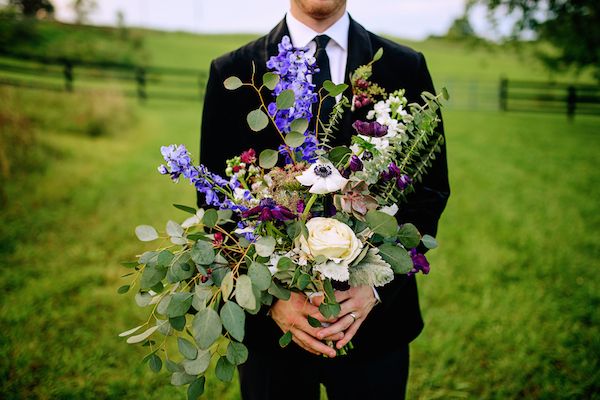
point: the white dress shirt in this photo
(337, 48)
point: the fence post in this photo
(503, 94)
(68, 73)
(571, 101)
(140, 77)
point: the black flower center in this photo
(367, 156)
(323, 171)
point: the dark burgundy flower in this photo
(361, 100)
(362, 84)
(218, 240)
(248, 156)
(403, 181)
(420, 263)
(355, 164)
(374, 129)
(268, 210)
(391, 173)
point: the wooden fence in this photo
(143, 82)
(549, 97)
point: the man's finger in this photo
(342, 295)
(340, 326)
(336, 337)
(316, 299)
(313, 344)
(349, 334)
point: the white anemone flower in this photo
(323, 178)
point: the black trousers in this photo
(294, 374)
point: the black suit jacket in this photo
(225, 134)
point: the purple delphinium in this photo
(420, 263)
(269, 210)
(373, 129)
(212, 186)
(305, 152)
(294, 67)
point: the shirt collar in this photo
(301, 35)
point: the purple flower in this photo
(268, 210)
(294, 67)
(178, 162)
(391, 173)
(420, 263)
(403, 181)
(374, 129)
(355, 164)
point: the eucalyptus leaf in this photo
(244, 294)
(234, 319)
(294, 139)
(339, 155)
(397, 257)
(142, 336)
(312, 321)
(151, 276)
(210, 218)
(163, 305)
(206, 327)
(429, 242)
(146, 233)
(299, 125)
(174, 229)
(227, 285)
(203, 253)
(260, 275)
(155, 363)
(178, 323)
(285, 99)
(265, 246)
(181, 378)
(198, 365)
(173, 366)
(382, 223)
(232, 83)
(123, 289)
(130, 331)
(201, 296)
(257, 120)
(224, 369)
(270, 80)
(180, 304)
(409, 236)
(295, 229)
(329, 310)
(237, 353)
(280, 292)
(187, 349)
(196, 388)
(143, 299)
(285, 339)
(268, 158)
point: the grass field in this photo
(511, 305)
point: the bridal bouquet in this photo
(305, 217)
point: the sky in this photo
(410, 19)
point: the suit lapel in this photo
(273, 39)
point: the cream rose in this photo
(332, 239)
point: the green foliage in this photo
(257, 120)
(268, 158)
(572, 27)
(285, 99)
(396, 257)
(232, 83)
(382, 223)
(270, 80)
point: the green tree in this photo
(32, 8)
(572, 27)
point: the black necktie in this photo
(324, 74)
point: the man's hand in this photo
(291, 315)
(358, 301)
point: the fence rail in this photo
(185, 84)
(515, 95)
(51, 73)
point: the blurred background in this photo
(89, 91)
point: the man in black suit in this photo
(378, 366)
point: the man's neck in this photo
(317, 25)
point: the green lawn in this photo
(510, 305)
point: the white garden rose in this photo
(334, 240)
